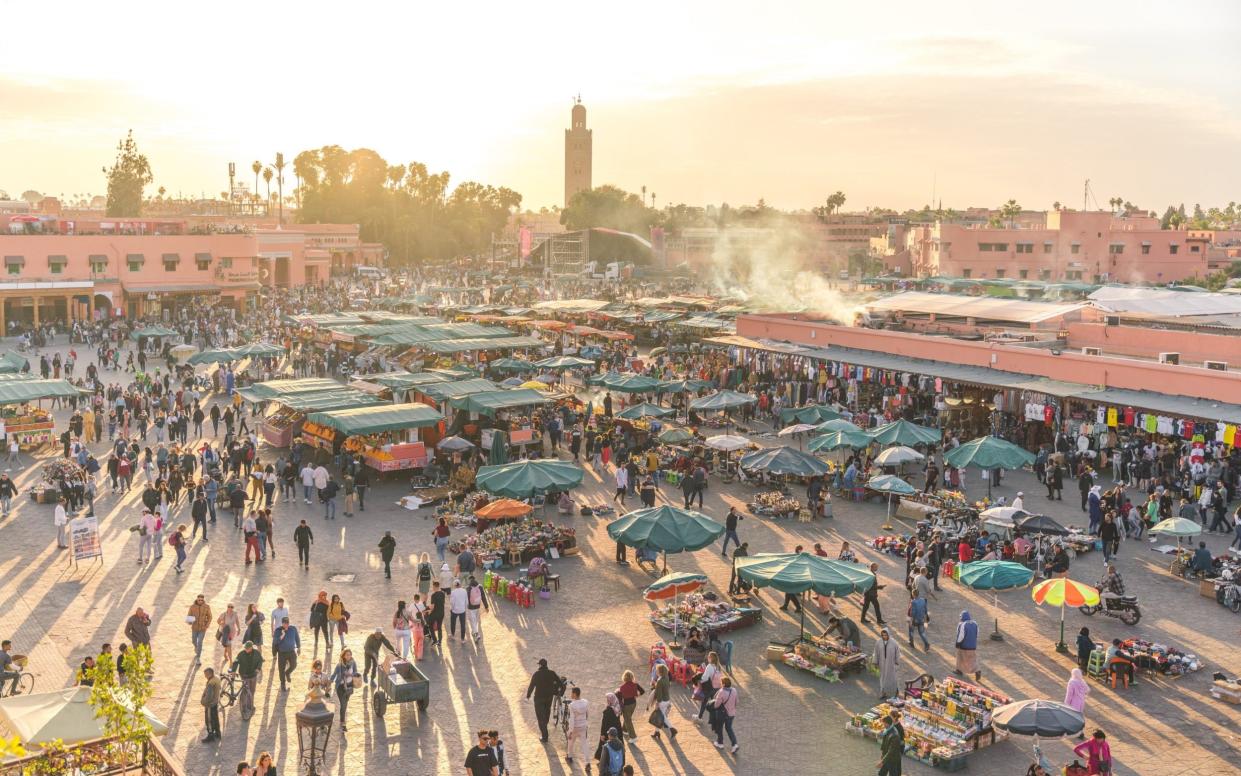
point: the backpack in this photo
(616, 758)
(424, 572)
(172, 539)
(476, 595)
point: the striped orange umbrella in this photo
(504, 509)
(1061, 591)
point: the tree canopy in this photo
(127, 177)
(405, 206)
(611, 208)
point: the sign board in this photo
(84, 538)
(521, 436)
(486, 436)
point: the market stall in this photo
(516, 543)
(706, 612)
(29, 426)
(943, 721)
(386, 435)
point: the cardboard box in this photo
(1206, 588)
(775, 652)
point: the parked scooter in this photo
(1125, 608)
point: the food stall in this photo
(943, 721)
(503, 407)
(282, 425)
(401, 383)
(439, 394)
(386, 435)
(32, 426)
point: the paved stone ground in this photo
(591, 631)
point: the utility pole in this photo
(1085, 195)
(232, 174)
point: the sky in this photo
(893, 103)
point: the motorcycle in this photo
(1125, 608)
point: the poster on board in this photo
(84, 538)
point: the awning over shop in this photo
(457, 388)
(273, 388)
(12, 362)
(499, 343)
(572, 305)
(153, 331)
(326, 401)
(374, 420)
(404, 380)
(492, 402)
(22, 391)
(172, 288)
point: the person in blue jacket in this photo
(967, 647)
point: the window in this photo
(1195, 248)
(203, 260)
(1024, 273)
(1173, 248)
(1116, 249)
(226, 263)
(1047, 247)
(1025, 247)
(170, 266)
(1073, 275)
(98, 264)
(56, 264)
(134, 261)
(984, 247)
(1146, 249)
(999, 247)
(965, 273)
(1075, 248)
(999, 273)
(1044, 274)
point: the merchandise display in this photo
(30, 426)
(279, 428)
(774, 503)
(823, 657)
(1161, 658)
(383, 452)
(943, 722)
(321, 437)
(520, 541)
(893, 545)
(705, 612)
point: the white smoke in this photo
(765, 268)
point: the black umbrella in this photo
(1041, 524)
(1044, 719)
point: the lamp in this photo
(314, 723)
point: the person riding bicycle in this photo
(1111, 586)
(6, 667)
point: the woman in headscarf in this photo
(887, 656)
(1075, 695)
(967, 647)
(611, 721)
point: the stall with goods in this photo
(284, 423)
(516, 543)
(29, 426)
(774, 504)
(943, 721)
(822, 657)
(386, 436)
(57, 476)
(947, 507)
(1148, 656)
(704, 611)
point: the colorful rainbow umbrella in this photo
(672, 586)
(1061, 591)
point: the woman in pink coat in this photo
(1097, 752)
(1075, 695)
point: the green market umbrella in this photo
(212, 357)
(259, 349)
(853, 440)
(989, 453)
(523, 479)
(665, 529)
(563, 362)
(684, 386)
(838, 424)
(995, 575)
(512, 365)
(889, 484)
(722, 400)
(784, 460)
(675, 436)
(631, 383)
(645, 410)
(1177, 526)
(902, 432)
(153, 331)
(813, 413)
(797, 572)
(498, 454)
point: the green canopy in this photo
(835, 440)
(489, 402)
(479, 343)
(665, 529)
(457, 388)
(1178, 527)
(326, 401)
(258, 350)
(273, 388)
(404, 380)
(22, 391)
(783, 460)
(675, 436)
(645, 410)
(722, 400)
(373, 420)
(995, 575)
(599, 379)
(564, 362)
(212, 357)
(684, 386)
(512, 365)
(631, 383)
(989, 452)
(889, 483)
(153, 331)
(12, 362)
(813, 413)
(523, 479)
(797, 572)
(499, 448)
(839, 424)
(902, 432)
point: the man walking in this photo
(871, 597)
(622, 485)
(211, 706)
(138, 628)
(387, 548)
(458, 604)
(308, 481)
(60, 519)
(7, 491)
(730, 529)
(544, 685)
(303, 537)
(476, 597)
(200, 610)
(361, 482)
(328, 494)
(579, 738)
(288, 646)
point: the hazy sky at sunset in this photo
(701, 102)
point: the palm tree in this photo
(835, 202)
(267, 173)
(1055, 205)
(1010, 210)
(280, 184)
(258, 168)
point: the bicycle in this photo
(25, 685)
(560, 709)
(230, 689)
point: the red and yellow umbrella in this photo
(504, 509)
(1061, 591)
(1064, 591)
(672, 586)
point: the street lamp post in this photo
(314, 724)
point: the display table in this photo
(696, 611)
(517, 542)
(29, 426)
(823, 657)
(321, 437)
(774, 504)
(279, 429)
(943, 722)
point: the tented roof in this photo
(572, 305)
(491, 402)
(980, 307)
(457, 388)
(273, 388)
(1163, 303)
(499, 343)
(374, 420)
(404, 380)
(22, 391)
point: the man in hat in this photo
(370, 650)
(1019, 501)
(247, 664)
(544, 685)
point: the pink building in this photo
(1073, 245)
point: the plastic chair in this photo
(1097, 664)
(1112, 669)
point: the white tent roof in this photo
(41, 718)
(989, 308)
(1162, 303)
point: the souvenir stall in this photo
(57, 474)
(943, 721)
(706, 612)
(29, 426)
(516, 543)
(389, 437)
(947, 507)
(826, 658)
(509, 411)
(287, 412)
(1149, 657)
